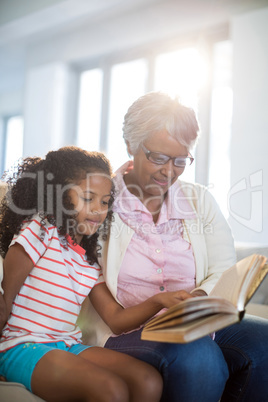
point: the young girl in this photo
(49, 227)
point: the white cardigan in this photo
(212, 244)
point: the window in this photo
(89, 115)
(13, 141)
(221, 119)
(182, 73)
(128, 82)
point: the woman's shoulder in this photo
(198, 195)
(189, 188)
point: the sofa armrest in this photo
(245, 249)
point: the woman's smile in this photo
(162, 182)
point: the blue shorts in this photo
(17, 364)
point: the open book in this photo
(199, 316)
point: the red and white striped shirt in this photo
(48, 303)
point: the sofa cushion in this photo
(14, 392)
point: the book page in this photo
(192, 316)
(256, 282)
(190, 331)
(192, 308)
(235, 281)
(178, 310)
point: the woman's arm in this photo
(121, 319)
(213, 243)
(17, 266)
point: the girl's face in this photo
(90, 198)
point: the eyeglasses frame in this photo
(148, 153)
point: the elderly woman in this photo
(169, 235)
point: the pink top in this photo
(157, 259)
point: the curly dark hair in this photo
(36, 187)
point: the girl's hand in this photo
(198, 292)
(121, 319)
(169, 299)
(126, 168)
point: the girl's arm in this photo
(2, 312)
(17, 266)
(121, 319)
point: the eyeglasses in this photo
(162, 159)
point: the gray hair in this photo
(157, 111)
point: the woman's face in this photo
(147, 179)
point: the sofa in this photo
(14, 392)
(258, 305)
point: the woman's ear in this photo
(128, 149)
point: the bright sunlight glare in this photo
(181, 73)
(88, 135)
(127, 84)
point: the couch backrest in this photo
(3, 188)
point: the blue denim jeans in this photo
(233, 367)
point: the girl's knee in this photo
(149, 384)
(115, 390)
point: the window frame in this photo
(3, 138)
(200, 40)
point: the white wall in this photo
(11, 102)
(49, 109)
(249, 152)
